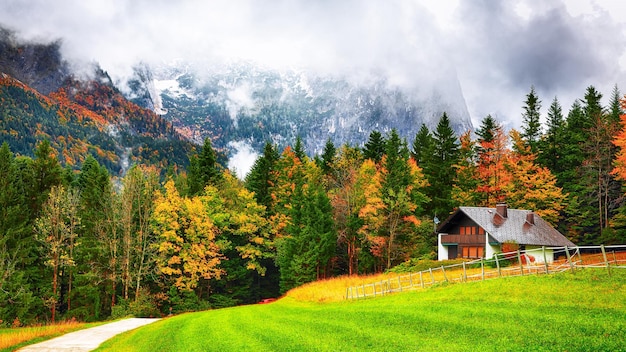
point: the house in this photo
(477, 232)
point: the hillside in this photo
(40, 98)
(561, 312)
(242, 103)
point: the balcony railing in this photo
(463, 239)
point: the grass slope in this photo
(580, 312)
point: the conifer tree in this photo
(439, 169)
(261, 177)
(17, 247)
(298, 149)
(203, 169)
(328, 157)
(374, 147)
(421, 149)
(531, 120)
(551, 153)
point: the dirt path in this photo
(88, 339)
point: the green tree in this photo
(439, 169)
(328, 157)
(531, 127)
(56, 228)
(392, 210)
(551, 153)
(203, 169)
(261, 177)
(374, 147)
(421, 149)
(16, 244)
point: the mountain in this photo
(40, 99)
(245, 104)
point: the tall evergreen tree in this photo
(531, 120)
(299, 149)
(17, 247)
(374, 147)
(439, 169)
(46, 174)
(203, 169)
(551, 146)
(262, 176)
(328, 157)
(421, 149)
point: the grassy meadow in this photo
(563, 312)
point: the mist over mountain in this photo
(42, 98)
(240, 106)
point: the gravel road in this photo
(87, 339)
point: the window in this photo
(471, 230)
(473, 252)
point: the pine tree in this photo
(16, 244)
(203, 169)
(375, 147)
(46, 174)
(262, 176)
(439, 169)
(299, 149)
(328, 157)
(421, 149)
(531, 120)
(551, 153)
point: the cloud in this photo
(497, 48)
(544, 45)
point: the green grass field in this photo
(585, 311)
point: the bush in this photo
(144, 306)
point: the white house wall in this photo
(442, 251)
(490, 250)
(536, 254)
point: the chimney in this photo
(501, 209)
(530, 218)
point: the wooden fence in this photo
(516, 263)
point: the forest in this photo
(78, 242)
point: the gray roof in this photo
(513, 228)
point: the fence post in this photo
(422, 279)
(364, 294)
(606, 261)
(399, 284)
(569, 259)
(614, 258)
(545, 259)
(432, 277)
(347, 295)
(498, 265)
(521, 265)
(482, 268)
(445, 277)
(464, 273)
(580, 257)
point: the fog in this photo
(497, 49)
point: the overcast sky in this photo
(497, 48)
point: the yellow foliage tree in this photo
(531, 186)
(187, 251)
